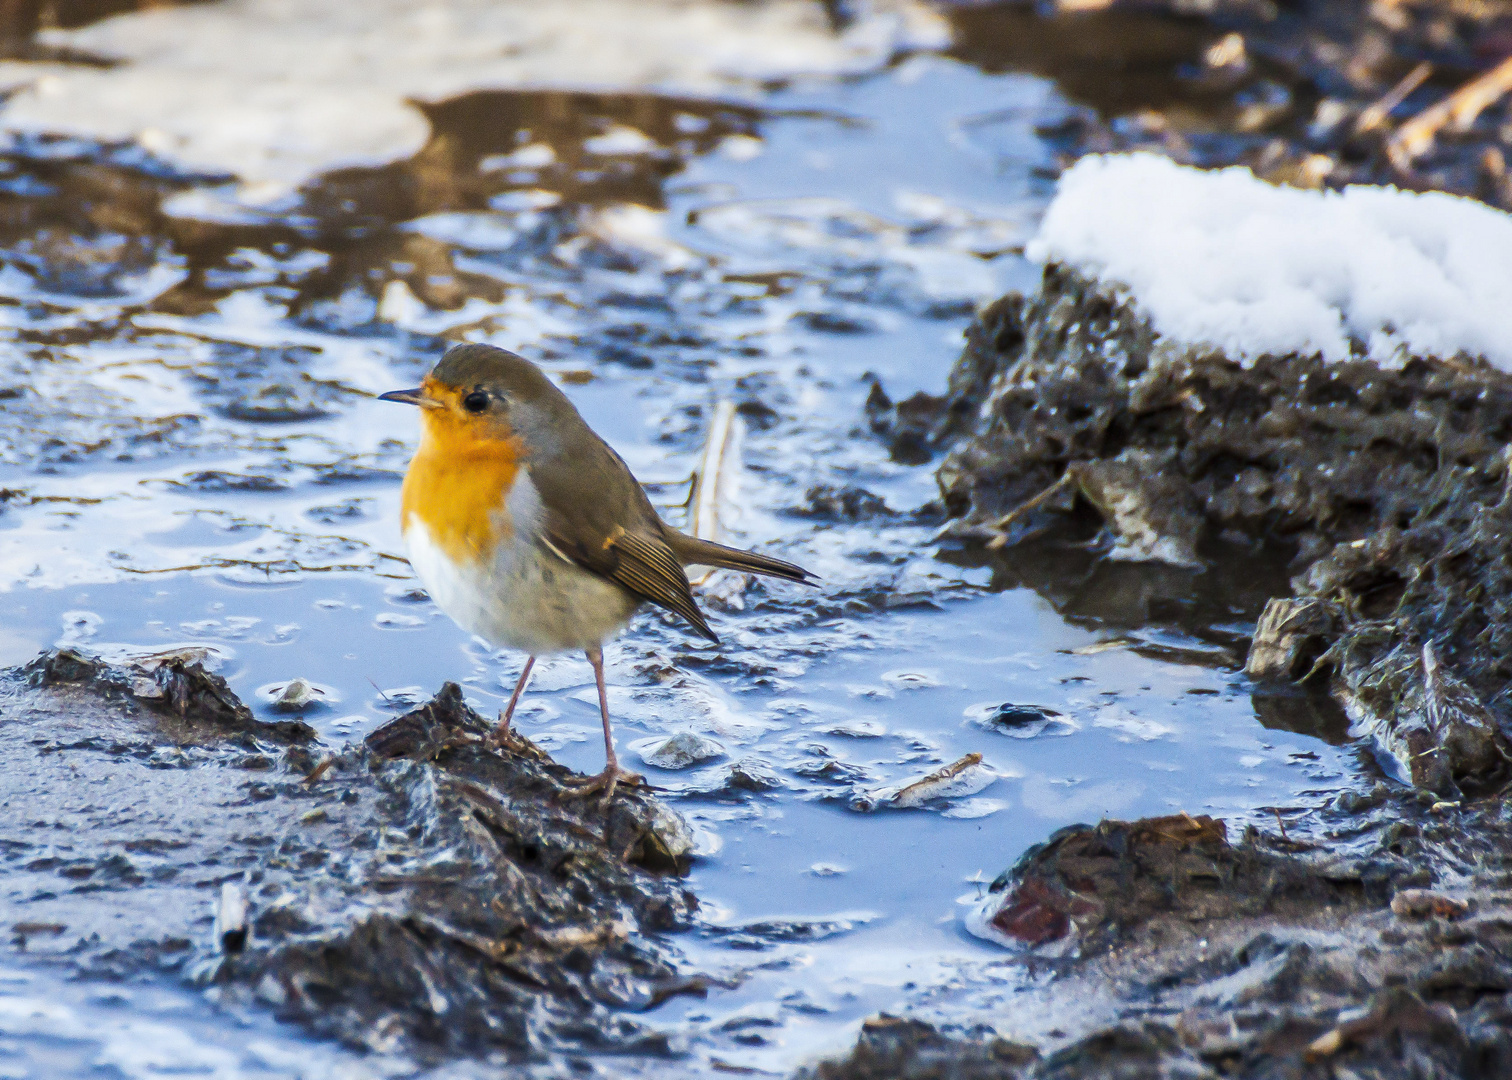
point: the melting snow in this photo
(276, 92)
(1225, 260)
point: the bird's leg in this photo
(607, 780)
(514, 698)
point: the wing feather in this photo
(595, 515)
(658, 576)
(642, 565)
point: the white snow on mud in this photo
(276, 91)
(1224, 260)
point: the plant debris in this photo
(1322, 93)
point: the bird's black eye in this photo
(475, 402)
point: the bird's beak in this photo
(417, 396)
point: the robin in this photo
(529, 531)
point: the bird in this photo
(528, 530)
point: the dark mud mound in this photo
(429, 892)
(192, 703)
(1097, 882)
(1379, 947)
(1386, 488)
(891, 1048)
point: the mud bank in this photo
(423, 892)
(1383, 488)
(1376, 946)
(1366, 938)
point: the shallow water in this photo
(192, 454)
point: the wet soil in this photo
(1321, 93)
(425, 891)
(193, 457)
(1376, 946)
(1356, 940)
(1386, 486)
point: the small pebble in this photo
(682, 750)
(752, 774)
(296, 695)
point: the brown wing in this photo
(598, 517)
(639, 564)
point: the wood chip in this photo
(1325, 1045)
(937, 784)
(231, 917)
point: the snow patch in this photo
(277, 91)
(1224, 260)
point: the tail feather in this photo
(695, 552)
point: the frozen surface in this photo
(190, 454)
(275, 91)
(1225, 260)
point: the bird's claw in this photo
(606, 782)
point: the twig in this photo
(922, 790)
(1375, 115)
(1458, 110)
(381, 694)
(1001, 540)
(713, 476)
(231, 917)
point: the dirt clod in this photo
(892, 1048)
(1267, 959)
(1095, 882)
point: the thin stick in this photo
(381, 694)
(1002, 523)
(1375, 115)
(713, 476)
(1459, 110)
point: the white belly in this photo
(526, 597)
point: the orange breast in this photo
(457, 483)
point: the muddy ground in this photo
(1383, 489)
(1372, 943)
(411, 899)
(428, 891)
(424, 891)
(1368, 937)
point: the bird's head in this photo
(479, 394)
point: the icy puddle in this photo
(192, 455)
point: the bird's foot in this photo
(501, 734)
(606, 782)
